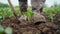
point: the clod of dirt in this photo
(38, 18)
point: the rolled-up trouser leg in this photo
(37, 5)
(23, 5)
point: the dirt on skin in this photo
(34, 28)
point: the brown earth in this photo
(38, 27)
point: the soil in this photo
(35, 28)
